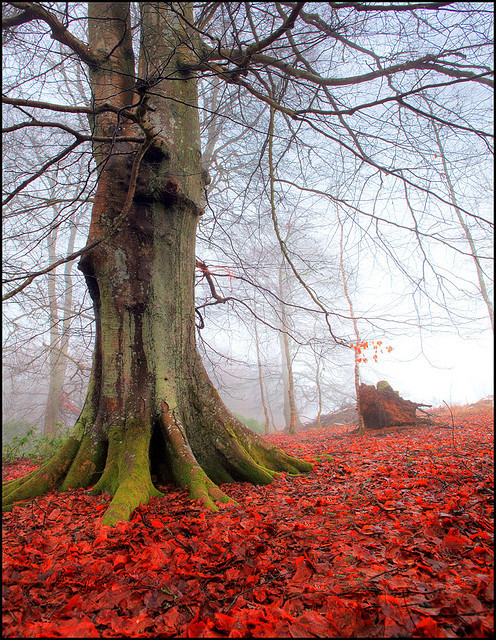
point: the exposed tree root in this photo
(121, 464)
(184, 467)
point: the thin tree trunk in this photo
(56, 364)
(319, 391)
(59, 332)
(290, 413)
(260, 376)
(466, 230)
(361, 427)
(272, 419)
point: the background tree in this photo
(361, 427)
(260, 376)
(291, 418)
(466, 229)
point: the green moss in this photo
(127, 471)
(136, 489)
(216, 471)
(383, 384)
(193, 478)
(89, 459)
(325, 458)
(280, 461)
(251, 471)
(109, 480)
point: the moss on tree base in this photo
(124, 465)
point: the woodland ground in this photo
(390, 535)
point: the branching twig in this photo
(282, 244)
(110, 232)
(452, 424)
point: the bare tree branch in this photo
(59, 32)
(65, 152)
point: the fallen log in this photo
(383, 407)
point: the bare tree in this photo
(466, 229)
(361, 427)
(260, 377)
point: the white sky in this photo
(459, 372)
(437, 364)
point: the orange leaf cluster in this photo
(362, 345)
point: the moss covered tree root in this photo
(122, 462)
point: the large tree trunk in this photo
(151, 409)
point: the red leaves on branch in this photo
(389, 535)
(363, 345)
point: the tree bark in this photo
(291, 417)
(361, 425)
(150, 408)
(260, 375)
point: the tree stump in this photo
(383, 407)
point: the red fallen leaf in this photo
(196, 626)
(158, 524)
(154, 599)
(361, 553)
(369, 529)
(171, 621)
(489, 592)
(428, 628)
(348, 618)
(107, 617)
(453, 541)
(312, 624)
(119, 562)
(389, 505)
(76, 602)
(101, 538)
(303, 572)
(260, 594)
(303, 503)
(397, 620)
(479, 549)
(202, 629)
(32, 551)
(314, 599)
(398, 582)
(65, 629)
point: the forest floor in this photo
(390, 535)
